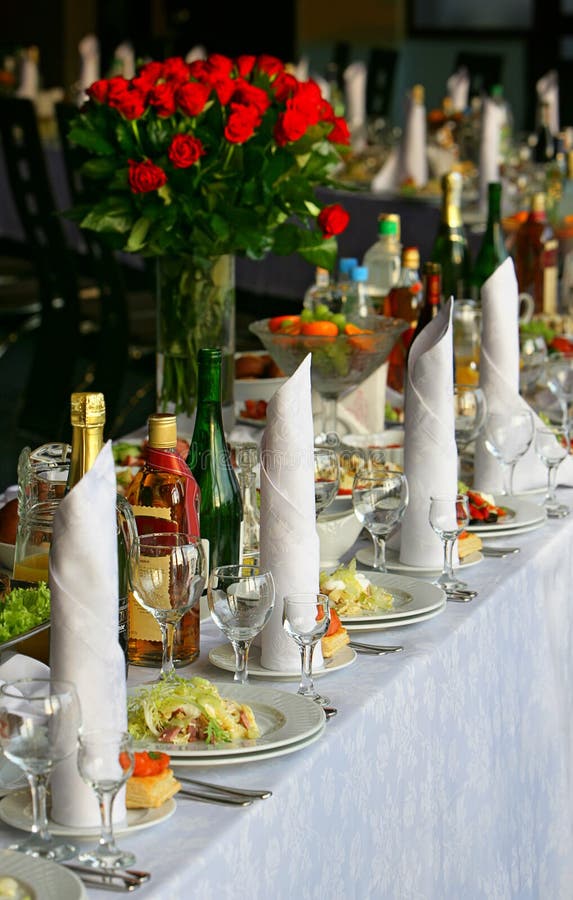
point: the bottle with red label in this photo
(536, 257)
(432, 289)
(404, 302)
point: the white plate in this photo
(514, 532)
(223, 656)
(47, 879)
(282, 719)
(16, 810)
(255, 757)
(415, 597)
(393, 564)
(398, 623)
(524, 513)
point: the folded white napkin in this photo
(301, 69)
(29, 86)
(548, 92)
(493, 116)
(84, 644)
(89, 63)
(458, 85)
(289, 545)
(499, 380)
(124, 59)
(195, 53)
(413, 159)
(430, 453)
(386, 179)
(355, 94)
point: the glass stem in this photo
(168, 637)
(105, 799)
(448, 554)
(306, 683)
(379, 553)
(507, 473)
(38, 785)
(241, 649)
(551, 498)
(329, 416)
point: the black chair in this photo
(485, 70)
(380, 82)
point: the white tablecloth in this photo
(447, 773)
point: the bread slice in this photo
(468, 543)
(333, 642)
(150, 791)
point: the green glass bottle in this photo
(492, 251)
(450, 248)
(221, 510)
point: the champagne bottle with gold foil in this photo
(450, 248)
(88, 420)
(164, 497)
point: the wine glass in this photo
(241, 600)
(306, 619)
(508, 437)
(559, 379)
(552, 446)
(379, 499)
(326, 477)
(469, 413)
(39, 724)
(105, 762)
(448, 517)
(167, 574)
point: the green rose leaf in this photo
(138, 235)
(112, 214)
(100, 168)
(91, 140)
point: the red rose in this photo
(333, 220)
(270, 65)
(175, 69)
(130, 103)
(219, 66)
(340, 133)
(185, 150)
(245, 64)
(284, 86)
(98, 90)
(241, 124)
(307, 100)
(145, 176)
(199, 69)
(151, 72)
(162, 98)
(192, 97)
(250, 95)
(291, 126)
(116, 86)
(224, 88)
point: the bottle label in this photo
(142, 624)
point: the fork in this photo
(239, 792)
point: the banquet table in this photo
(447, 772)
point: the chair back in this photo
(380, 82)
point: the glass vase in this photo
(195, 308)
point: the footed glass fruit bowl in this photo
(339, 363)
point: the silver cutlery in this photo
(374, 648)
(461, 596)
(239, 792)
(203, 797)
(109, 879)
(499, 552)
(330, 711)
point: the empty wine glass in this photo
(105, 762)
(508, 437)
(559, 379)
(167, 574)
(306, 619)
(469, 413)
(39, 724)
(241, 600)
(379, 499)
(552, 447)
(448, 517)
(326, 477)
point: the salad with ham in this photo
(483, 509)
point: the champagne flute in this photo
(39, 724)
(105, 762)
(379, 499)
(508, 437)
(241, 600)
(306, 619)
(326, 477)
(167, 573)
(448, 517)
(552, 446)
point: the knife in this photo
(238, 792)
(374, 648)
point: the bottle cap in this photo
(162, 428)
(538, 202)
(411, 258)
(347, 264)
(432, 268)
(388, 226)
(418, 93)
(87, 408)
(360, 273)
(497, 90)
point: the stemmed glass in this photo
(559, 379)
(552, 447)
(469, 413)
(241, 600)
(508, 437)
(306, 619)
(167, 574)
(105, 762)
(448, 517)
(326, 477)
(379, 499)
(39, 724)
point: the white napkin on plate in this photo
(89, 63)
(84, 645)
(489, 154)
(289, 544)
(547, 88)
(458, 85)
(124, 60)
(499, 380)
(430, 453)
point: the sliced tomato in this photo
(335, 623)
(146, 763)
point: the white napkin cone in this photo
(29, 86)
(125, 57)
(289, 544)
(195, 53)
(499, 380)
(355, 94)
(458, 86)
(548, 92)
(301, 69)
(89, 63)
(387, 178)
(412, 154)
(430, 452)
(84, 645)
(489, 153)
